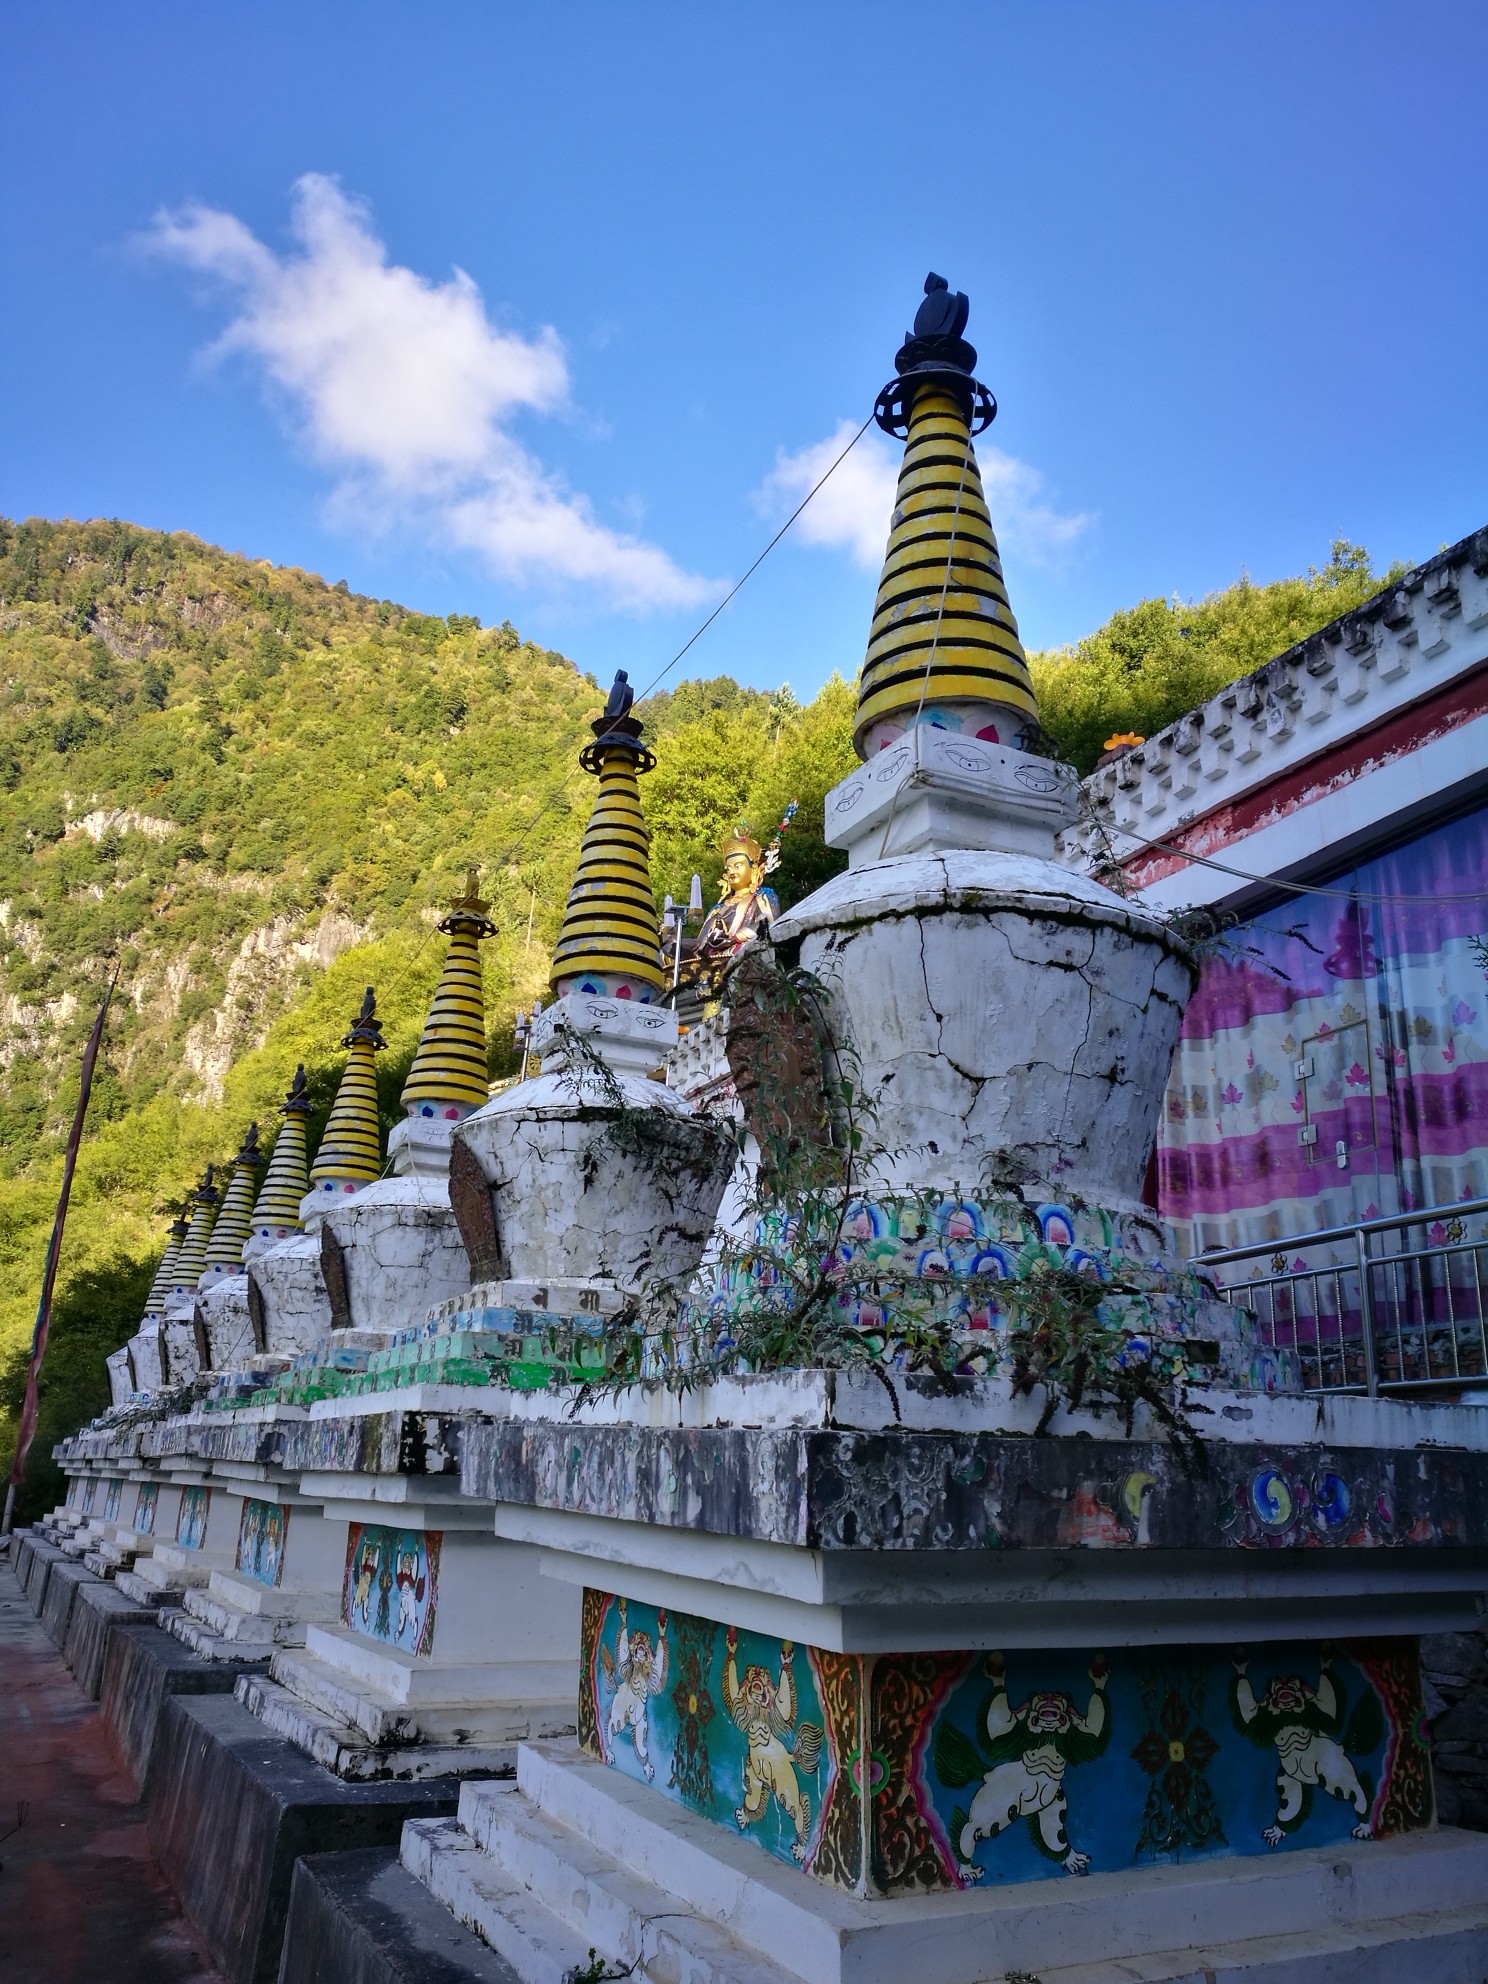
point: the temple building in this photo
(1329, 815)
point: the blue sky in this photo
(546, 312)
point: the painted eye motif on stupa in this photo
(1038, 778)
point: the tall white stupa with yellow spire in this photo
(575, 1205)
(1000, 1008)
(449, 1077)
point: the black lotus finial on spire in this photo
(616, 730)
(936, 353)
(298, 1098)
(942, 316)
(366, 1025)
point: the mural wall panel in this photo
(391, 1586)
(262, 1530)
(191, 1518)
(991, 1768)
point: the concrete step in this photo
(402, 1702)
(351, 1755)
(207, 1645)
(601, 1897)
(145, 1591)
(507, 1917)
(339, 1697)
(223, 1620)
(705, 1869)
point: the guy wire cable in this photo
(693, 638)
(1279, 883)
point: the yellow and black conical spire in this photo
(448, 1077)
(943, 632)
(235, 1220)
(276, 1214)
(165, 1274)
(193, 1255)
(350, 1152)
(610, 932)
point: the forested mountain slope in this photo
(251, 791)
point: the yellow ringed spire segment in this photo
(350, 1153)
(610, 941)
(448, 1077)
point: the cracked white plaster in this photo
(297, 1309)
(402, 1249)
(573, 1204)
(992, 1001)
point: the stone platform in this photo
(361, 1918)
(571, 1855)
(57, 1601)
(368, 1711)
(34, 1568)
(96, 1610)
(144, 1667)
(232, 1807)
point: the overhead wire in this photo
(1282, 885)
(555, 796)
(651, 687)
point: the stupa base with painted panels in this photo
(863, 1697)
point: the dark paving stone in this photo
(143, 1667)
(361, 1918)
(232, 1807)
(82, 1900)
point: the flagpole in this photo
(29, 1409)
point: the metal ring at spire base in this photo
(592, 757)
(895, 404)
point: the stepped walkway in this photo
(81, 1898)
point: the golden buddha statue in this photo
(745, 909)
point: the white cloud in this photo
(403, 387)
(851, 511)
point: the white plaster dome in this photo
(998, 1002)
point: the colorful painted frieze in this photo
(191, 1518)
(391, 1587)
(111, 1501)
(895, 1772)
(90, 1494)
(262, 1529)
(144, 1507)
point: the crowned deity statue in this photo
(745, 909)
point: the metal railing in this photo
(1402, 1309)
